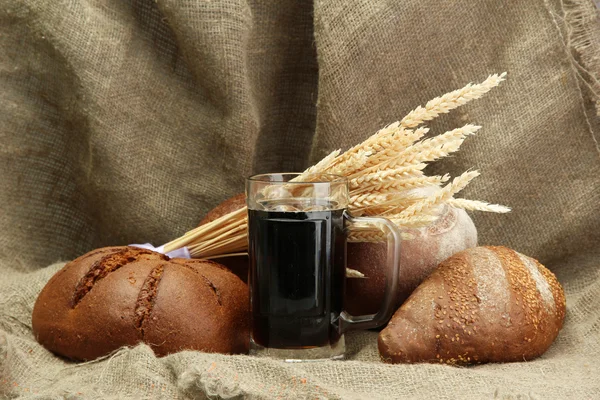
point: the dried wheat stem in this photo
(238, 242)
(226, 246)
(476, 205)
(243, 253)
(228, 227)
(198, 232)
(208, 243)
(442, 195)
(450, 101)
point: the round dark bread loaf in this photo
(120, 296)
(452, 232)
(485, 304)
(237, 264)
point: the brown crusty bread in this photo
(485, 304)
(120, 296)
(452, 232)
(237, 264)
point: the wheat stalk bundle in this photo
(383, 172)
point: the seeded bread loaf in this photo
(485, 304)
(120, 296)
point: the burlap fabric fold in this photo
(125, 121)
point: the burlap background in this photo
(125, 121)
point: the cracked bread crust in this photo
(121, 296)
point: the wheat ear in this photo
(417, 221)
(350, 164)
(373, 140)
(319, 167)
(373, 236)
(450, 101)
(366, 236)
(434, 148)
(395, 146)
(365, 200)
(394, 205)
(365, 180)
(440, 196)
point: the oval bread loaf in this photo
(120, 296)
(486, 304)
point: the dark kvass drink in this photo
(297, 250)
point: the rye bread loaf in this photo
(452, 232)
(120, 296)
(485, 304)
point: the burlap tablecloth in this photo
(125, 121)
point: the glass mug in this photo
(297, 247)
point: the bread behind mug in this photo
(419, 256)
(236, 264)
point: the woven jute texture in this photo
(125, 121)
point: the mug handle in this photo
(392, 232)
